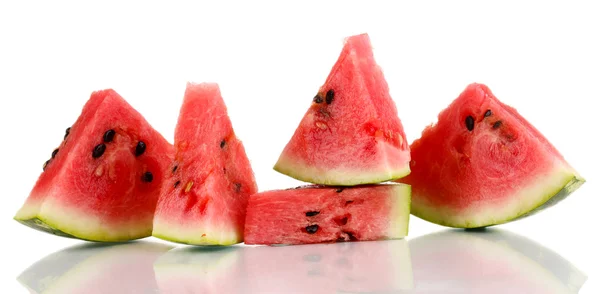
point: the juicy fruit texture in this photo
(490, 261)
(203, 199)
(483, 164)
(96, 268)
(352, 267)
(314, 214)
(351, 134)
(101, 185)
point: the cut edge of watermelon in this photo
(197, 235)
(400, 212)
(51, 217)
(310, 174)
(545, 192)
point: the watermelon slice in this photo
(103, 182)
(314, 214)
(490, 261)
(483, 164)
(353, 267)
(204, 196)
(351, 134)
(96, 268)
(215, 269)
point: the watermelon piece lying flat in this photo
(96, 268)
(204, 196)
(103, 182)
(315, 214)
(351, 134)
(483, 164)
(491, 262)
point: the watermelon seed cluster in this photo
(55, 151)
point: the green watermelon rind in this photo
(400, 212)
(66, 223)
(332, 177)
(568, 181)
(172, 233)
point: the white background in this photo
(270, 59)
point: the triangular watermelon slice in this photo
(103, 182)
(483, 164)
(351, 134)
(204, 197)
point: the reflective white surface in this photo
(450, 261)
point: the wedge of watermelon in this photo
(483, 164)
(204, 196)
(351, 134)
(314, 214)
(103, 182)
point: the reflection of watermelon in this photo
(483, 164)
(314, 214)
(355, 267)
(200, 270)
(103, 181)
(351, 134)
(204, 197)
(96, 268)
(491, 261)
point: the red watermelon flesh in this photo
(103, 182)
(315, 214)
(483, 164)
(204, 197)
(351, 134)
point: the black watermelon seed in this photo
(348, 202)
(140, 148)
(109, 136)
(45, 164)
(67, 131)
(312, 213)
(238, 187)
(147, 177)
(175, 168)
(339, 190)
(329, 96)
(487, 113)
(176, 184)
(318, 99)
(224, 170)
(470, 122)
(222, 143)
(54, 152)
(312, 229)
(497, 124)
(98, 150)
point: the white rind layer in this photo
(544, 191)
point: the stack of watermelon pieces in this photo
(350, 140)
(115, 178)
